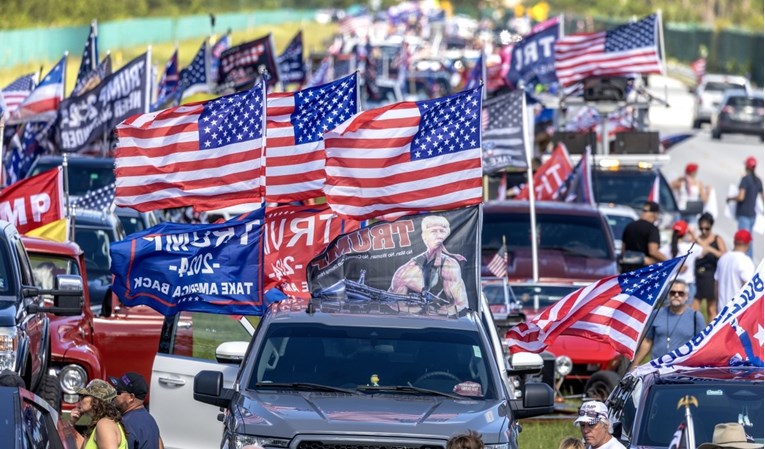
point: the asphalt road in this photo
(721, 162)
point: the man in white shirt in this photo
(595, 426)
(734, 269)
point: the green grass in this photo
(546, 434)
(314, 36)
(212, 330)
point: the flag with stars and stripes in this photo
(207, 155)
(613, 310)
(43, 102)
(16, 92)
(100, 199)
(25, 148)
(89, 56)
(408, 156)
(624, 50)
(503, 144)
(296, 125)
(291, 63)
(193, 79)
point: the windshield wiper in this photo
(303, 386)
(408, 389)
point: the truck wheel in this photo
(50, 390)
(601, 384)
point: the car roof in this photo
(374, 314)
(724, 373)
(721, 77)
(74, 159)
(542, 207)
(95, 218)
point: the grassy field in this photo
(314, 36)
(546, 434)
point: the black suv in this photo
(24, 325)
(647, 410)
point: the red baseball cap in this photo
(751, 162)
(742, 236)
(691, 168)
(681, 227)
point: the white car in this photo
(618, 217)
(710, 92)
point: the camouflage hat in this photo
(98, 389)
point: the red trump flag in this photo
(34, 202)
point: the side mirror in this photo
(538, 399)
(67, 296)
(231, 352)
(525, 363)
(208, 388)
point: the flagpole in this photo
(2, 150)
(530, 174)
(504, 277)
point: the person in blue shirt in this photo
(142, 429)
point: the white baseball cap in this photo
(591, 412)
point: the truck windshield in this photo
(630, 188)
(447, 361)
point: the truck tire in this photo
(600, 385)
(50, 390)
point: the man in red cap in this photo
(734, 269)
(749, 193)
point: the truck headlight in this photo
(241, 441)
(563, 365)
(9, 343)
(72, 378)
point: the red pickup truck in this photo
(90, 346)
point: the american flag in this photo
(25, 149)
(42, 104)
(613, 310)
(498, 264)
(207, 155)
(193, 79)
(168, 83)
(653, 194)
(89, 56)
(16, 92)
(100, 199)
(626, 49)
(291, 64)
(321, 75)
(503, 132)
(296, 125)
(409, 156)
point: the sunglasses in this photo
(705, 228)
(594, 415)
(676, 293)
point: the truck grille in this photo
(312, 444)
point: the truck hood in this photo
(290, 413)
(7, 313)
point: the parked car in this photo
(94, 231)
(134, 221)
(89, 345)
(646, 410)
(28, 421)
(85, 173)
(710, 92)
(574, 241)
(320, 373)
(24, 323)
(740, 112)
(618, 217)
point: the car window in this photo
(131, 224)
(742, 102)
(630, 188)
(618, 223)
(199, 334)
(718, 86)
(95, 246)
(7, 279)
(346, 357)
(539, 297)
(576, 234)
(81, 179)
(717, 403)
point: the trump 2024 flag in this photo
(409, 156)
(613, 310)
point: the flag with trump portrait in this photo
(206, 155)
(408, 156)
(296, 123)
(613, 310)
(735, 337)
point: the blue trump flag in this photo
(533, 59)
(213, 268)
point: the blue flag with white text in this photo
(533, 60)
(213, 268)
